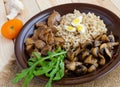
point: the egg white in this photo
(77, 21)
(70, 28)
(81, 28)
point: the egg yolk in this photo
(70, 28)
(76, 20)
(79, 28)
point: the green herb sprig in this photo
(51, 66)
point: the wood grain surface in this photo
(32, 7)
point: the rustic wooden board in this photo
(44, 4)
(6, 46)
(32, 7)
(117, 3)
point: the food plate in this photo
(110, 19)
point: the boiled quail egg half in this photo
(77, 21)
(70, 28)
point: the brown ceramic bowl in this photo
(111, 20)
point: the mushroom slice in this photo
(71, 66)
(95, 51)
(43, 35)
(39, 44)
(84, 69)
(29, 48)
(71, 55)
(104, 38)
(91, 68)
(46, 49)
(80, 69)
(50, 39)
(102, 47)
(41, 25)
(29, 41)
(112, 44)
(85, 54)
(111, 38)
(59, 40)
(54, 19)
(90, 60)
(102, 59)
(97, 43)
(54, 29)
(77, 51)
(87, 45)
(36, 34)
(98, 37)
(96, 65)
(108, 52)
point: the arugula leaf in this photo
(52, 66)
(49, 83)
(28, 78)
(20, 76)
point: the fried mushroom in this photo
(91, 68)
(54, 19)
(95, 51)
(39, 44)
(90, 60)
(102, 60)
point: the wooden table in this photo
(32, 7)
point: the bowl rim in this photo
(66, 81)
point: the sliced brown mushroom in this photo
(50, 38)
(96, 65)
(41, 25)
(95, 51)
(59, 40)
(90, 60)
(108, 53)
(71, 55)
(92, 68)
(112, 44)
(87, 45)
(80, 69)
(54, 19)
(104, 38)
(84, 54)
(46, 49)
(43, 35)
(72, 65)
(54, 29)
(76, 52)
(29, 41)
(102, 59)
(84, 69)
(111, 38)
(37, 32)
(39, 44)
(98, 37)
(29, 49)
(97, 43)
(102, 47)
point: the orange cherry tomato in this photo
(11, 28)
